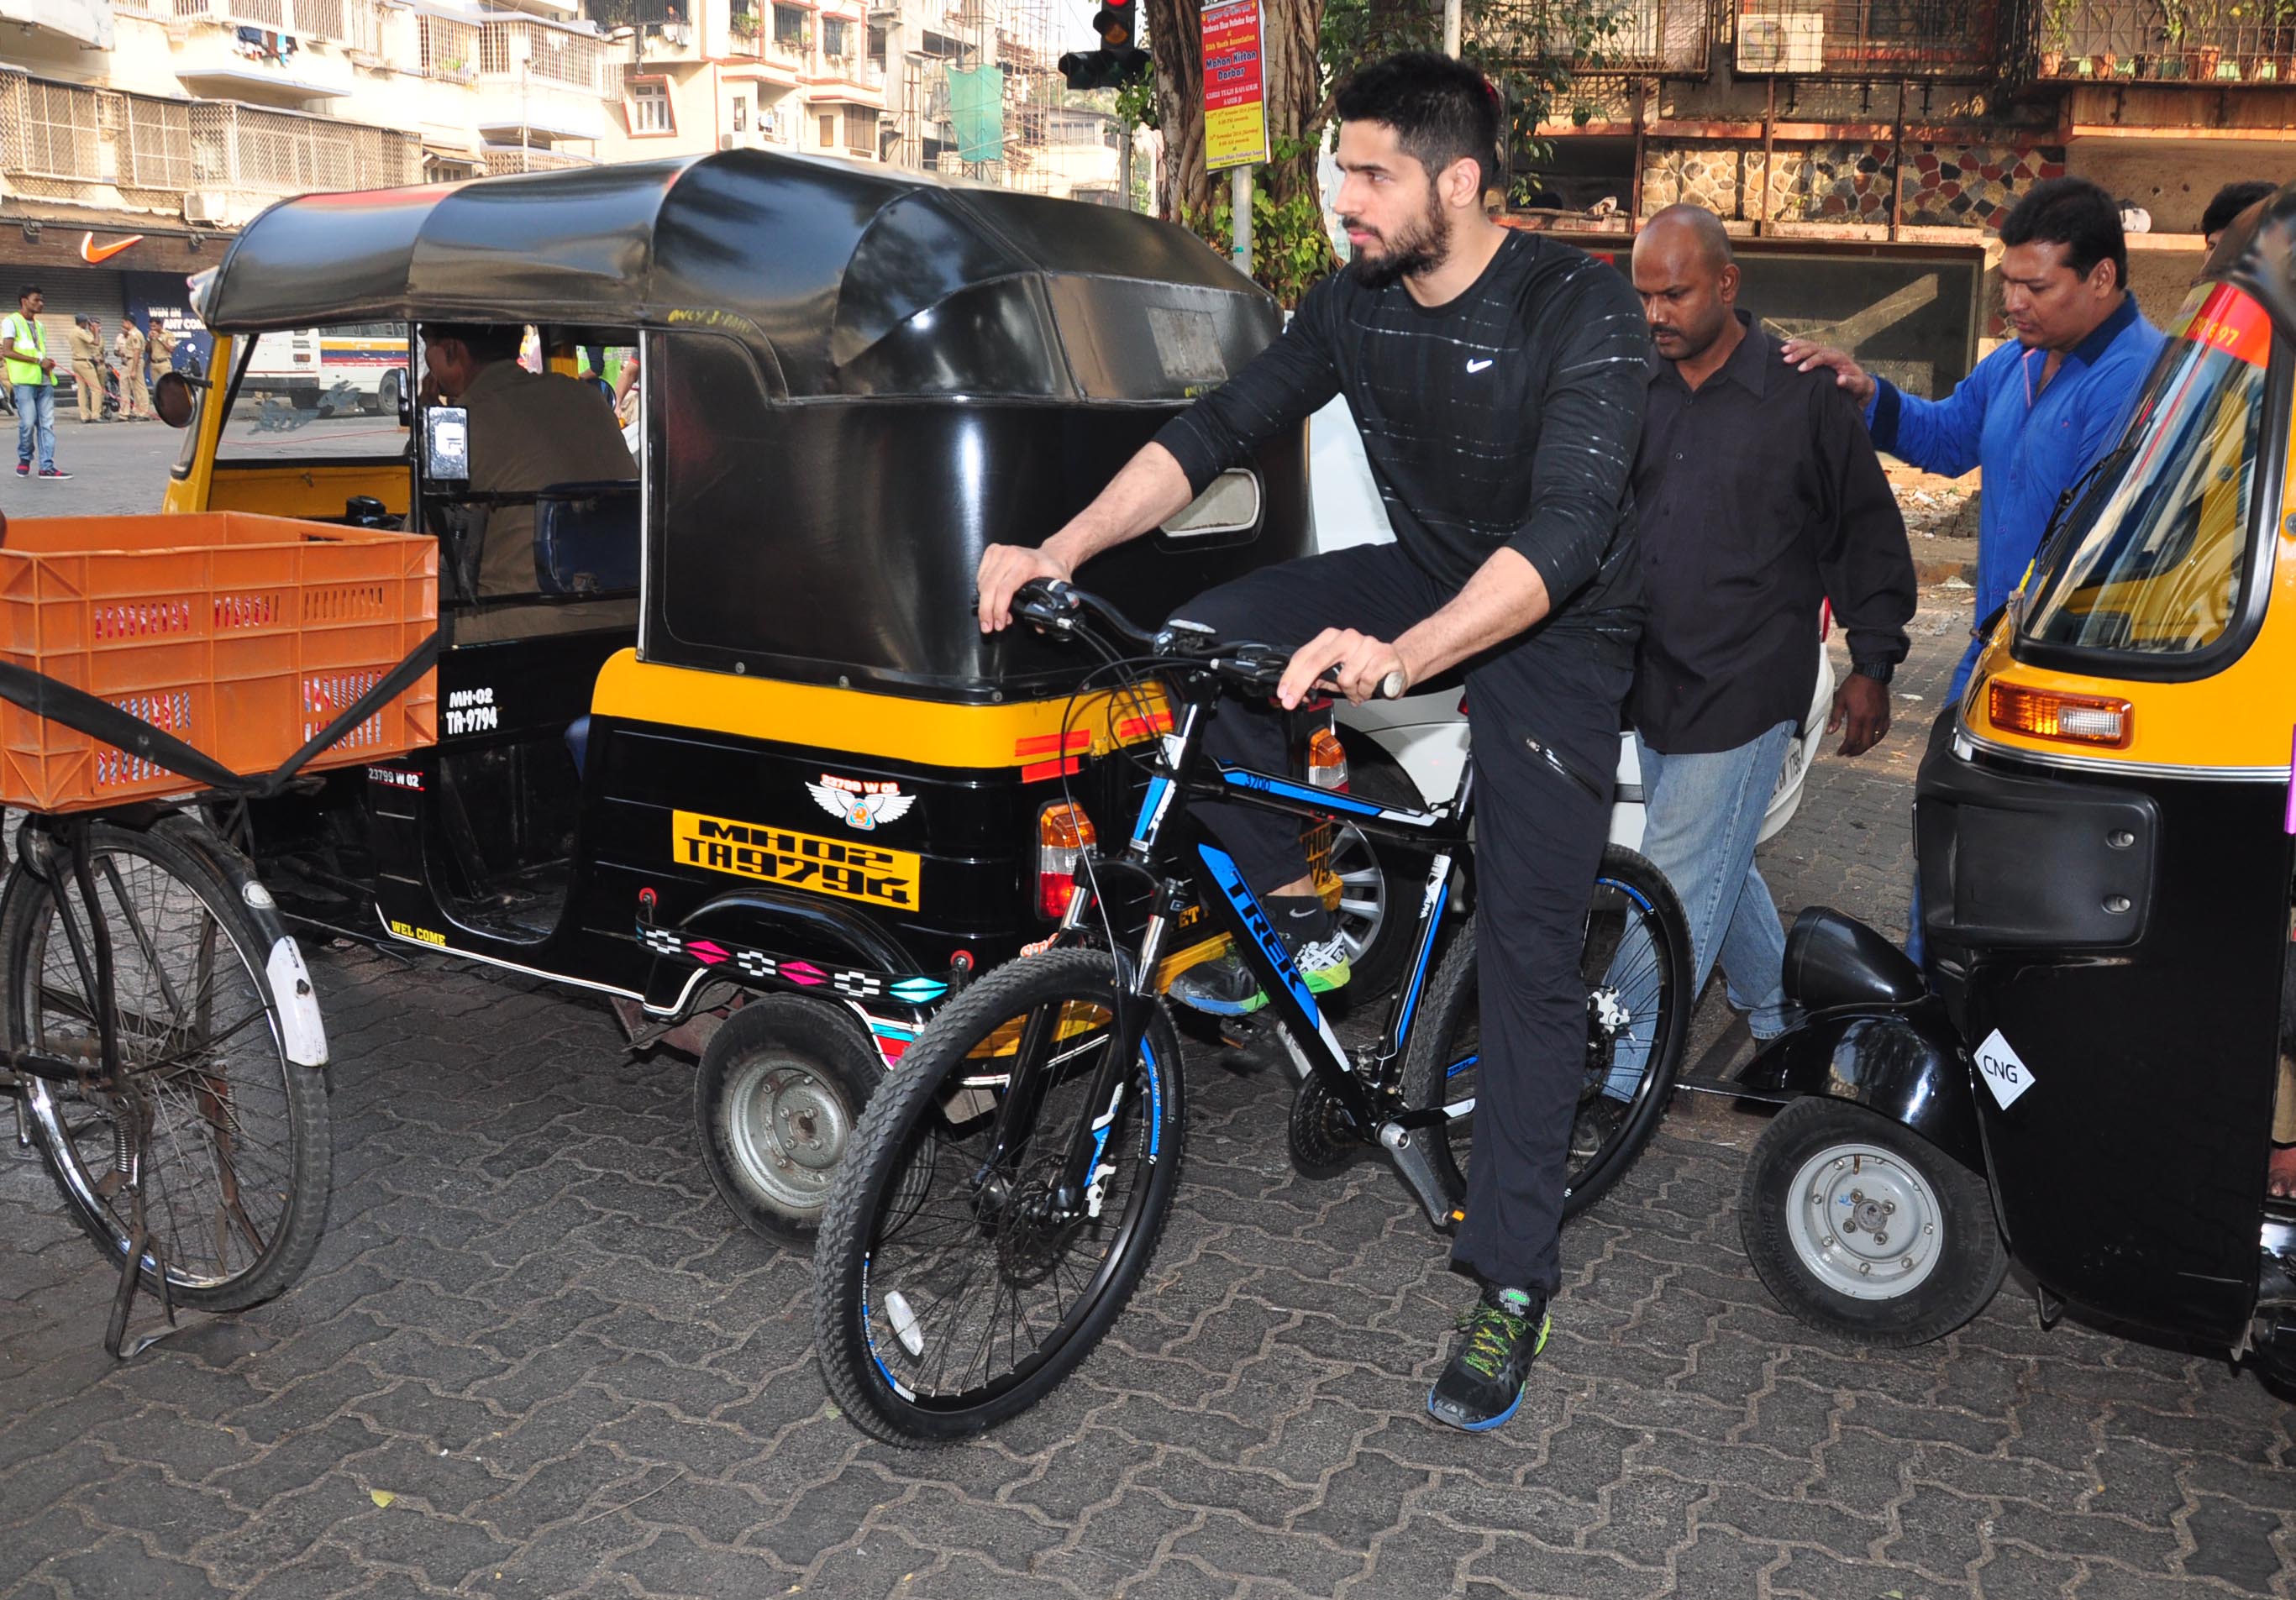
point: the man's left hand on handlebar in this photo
(1355, 662)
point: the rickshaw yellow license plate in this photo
(797, 861)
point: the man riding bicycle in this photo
(1498, 380)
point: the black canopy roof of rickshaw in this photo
(816, 260)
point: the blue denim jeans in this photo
(36, 413)
(1702, 815)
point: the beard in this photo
(1416, 249)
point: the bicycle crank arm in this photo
(1408, 1148)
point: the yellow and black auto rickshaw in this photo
(740, 760)
(2083, 1075)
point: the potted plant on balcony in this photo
(2174, 20)
(2057, 32)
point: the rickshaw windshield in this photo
(323, 394)
(2151, 561)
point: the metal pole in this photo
(1451, 27)
(1240, 201)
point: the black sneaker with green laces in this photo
(1482, 1384)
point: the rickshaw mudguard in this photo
(1905, 1063)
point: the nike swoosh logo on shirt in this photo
(1477, 366)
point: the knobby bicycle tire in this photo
(239, 1166)
(911, 1170)
(1450, 1004)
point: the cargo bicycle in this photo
(163, 1045)
(1004, 1191)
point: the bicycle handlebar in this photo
(1058, 606)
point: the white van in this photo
(357, 366)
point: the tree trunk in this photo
(1291, 77)
(1175, 42)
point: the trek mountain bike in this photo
(1005, 1189)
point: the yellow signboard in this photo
(797, 861)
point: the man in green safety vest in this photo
(32, 374)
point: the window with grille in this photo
(56, 134)
(836, 37)
(789, 28)
(449, 49)
(160, 151)
(649, 112)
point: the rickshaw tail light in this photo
(2066, 718)
(1063, 834)
(1327, 760)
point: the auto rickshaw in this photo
(2081, 1074)
(742, 762)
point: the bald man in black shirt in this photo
(1499, 378)
(1761, 496)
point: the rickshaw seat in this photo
(585, 538)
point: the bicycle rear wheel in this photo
(954, 1283)
(1636, 966)
(227, 1135)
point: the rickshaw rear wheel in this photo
(1864, 1229)
(781, 1087)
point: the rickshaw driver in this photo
(1498, 380)
(528, 432)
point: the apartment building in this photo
(135, 134)
(1863, 148)
(959, 86)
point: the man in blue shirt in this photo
(2037, 414)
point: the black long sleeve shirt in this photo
(1760, 495)
(1505, 417)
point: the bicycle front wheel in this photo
(225, 1138)
(1635, 964)
(961, 1274)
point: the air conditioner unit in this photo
(727, 141)
(204, 205)
(1793, 42)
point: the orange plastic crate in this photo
(241, 635)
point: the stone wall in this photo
(1945, 186)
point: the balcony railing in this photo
(446, 48)
(325, 20)
(1922, 39)
(282, 152)
(502, 162)
(2220, 43)
(1634, 36)
(544, 54)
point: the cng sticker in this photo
(797, 861)
(2005, 1074)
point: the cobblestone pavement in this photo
(533, 1359)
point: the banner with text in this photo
(1235, 107)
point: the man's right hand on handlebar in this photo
(1004, 568)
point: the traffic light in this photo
(1113, 22)
(1118, 61)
